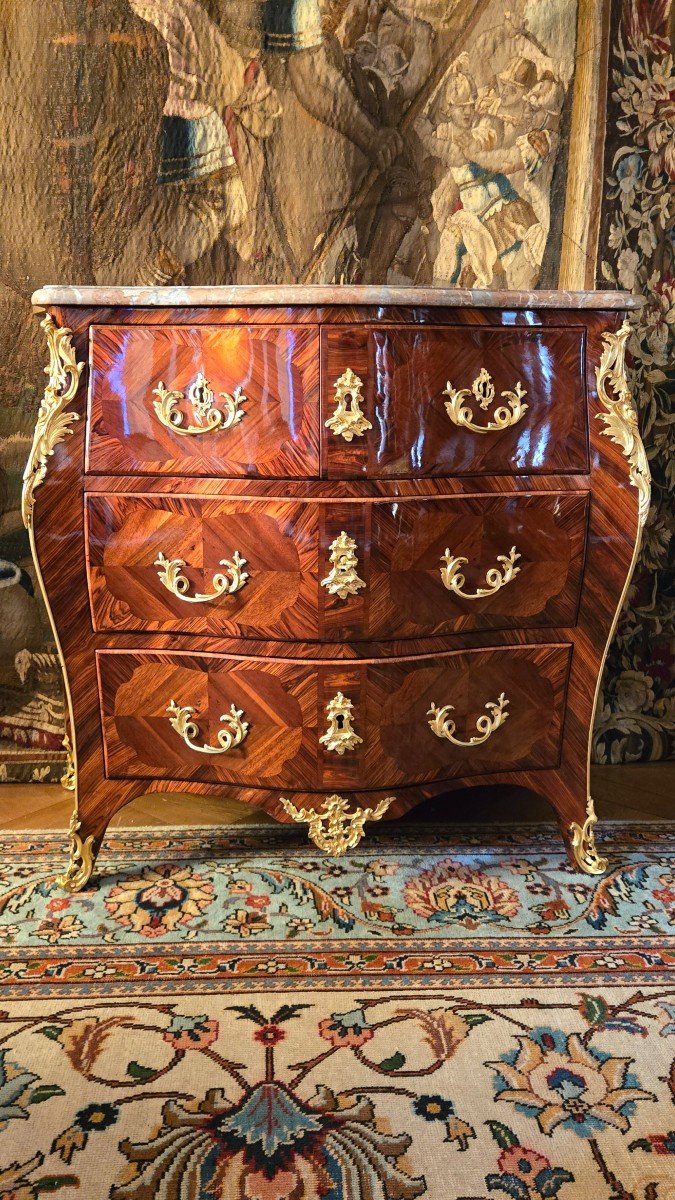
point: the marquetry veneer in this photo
(332, 550)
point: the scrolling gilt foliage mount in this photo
(620, 416)
(333, 827)
(53, 422)
(620, 425)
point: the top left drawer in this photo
(220, 400)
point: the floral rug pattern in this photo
(162, 913)
(450, 1014)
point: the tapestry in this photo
(243, 1018)
(424, 142)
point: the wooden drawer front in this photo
(274, 593)
(405, 372)
(285, 706)
(525, 551)
(274, 431)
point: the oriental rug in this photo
(446, 1013)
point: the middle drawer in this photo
(314, 570)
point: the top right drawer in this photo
(449, 400)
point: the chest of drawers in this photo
(332, 550)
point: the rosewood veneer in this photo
(332, 550)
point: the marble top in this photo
(293, 295)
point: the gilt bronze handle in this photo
(483, 391)
(170, 574)
(201, 397)
(181, 720)
(495, 578)
(443, 725)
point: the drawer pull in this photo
(444, 727)
(181, 721)
(495, 578)
(348, 421)
(201, 398)
(342, 580)
(170, 574)
(483, 391)
(332, 827)
(340, 735)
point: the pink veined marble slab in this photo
(293, 295)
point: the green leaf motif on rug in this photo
(45, 1092)
(393, 1063)
(594, 1009)
(53, 1183)
(476, 1018)
(138, 1071)
(503, 1136)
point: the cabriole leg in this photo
(82, 853)
(582, 844)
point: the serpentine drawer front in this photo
(332, 551)
(305, 569)
(455, 401)
(384, 733)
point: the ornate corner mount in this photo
(620, 417)
(53, 422)
(342, 580)
(340, 734)
(348, 421)
(584, 847)
(332, 827)
(201, 398)
(81, 859)
(495, 578)
(69, 778)
(483, 392)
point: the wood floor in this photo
(625, 793)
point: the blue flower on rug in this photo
(559, 1080)
(94, 1118)
(433, 1108)
(15, 1083)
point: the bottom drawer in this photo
(314, 725)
